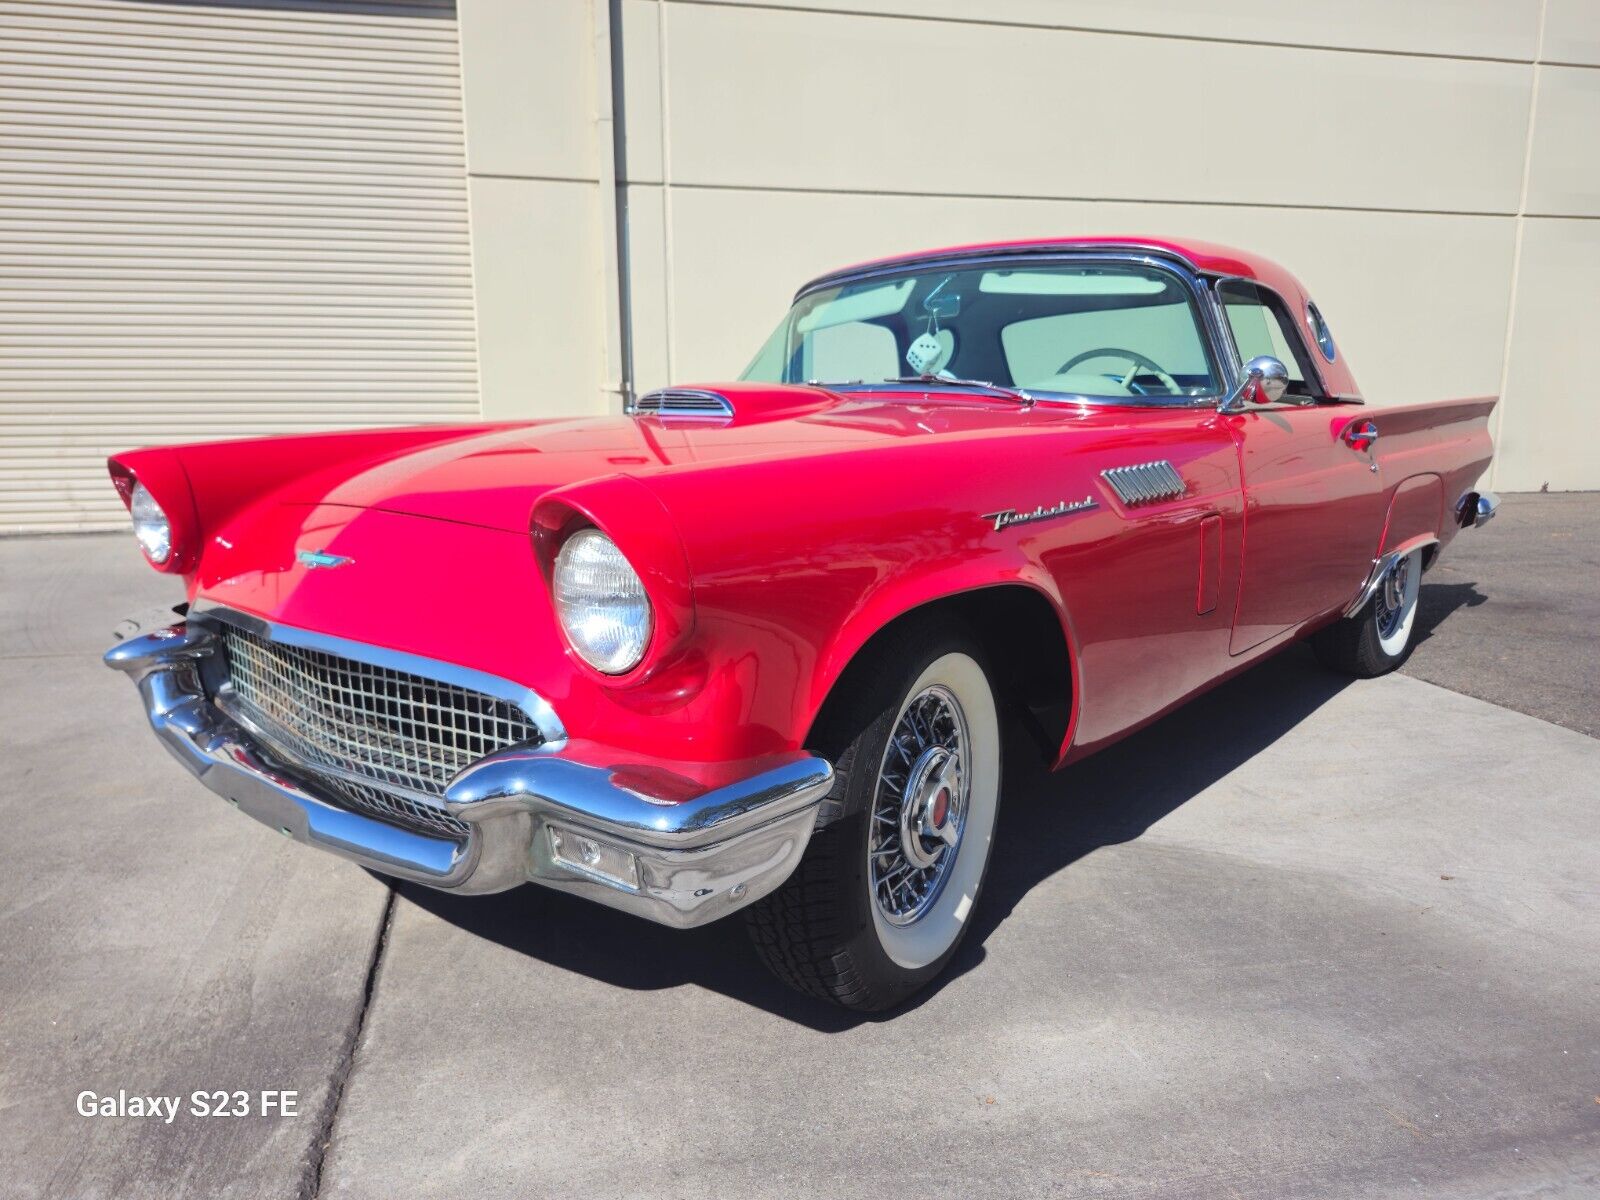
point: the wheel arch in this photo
(1416, 511)
(1024, 632)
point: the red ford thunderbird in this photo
(751, 645)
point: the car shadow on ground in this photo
(1048, 822)
(1436, 601)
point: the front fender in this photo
(901, 595)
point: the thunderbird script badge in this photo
(1012, 517)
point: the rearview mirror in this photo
(1266, 380)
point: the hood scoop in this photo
(691, 403)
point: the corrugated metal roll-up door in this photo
(222, 220)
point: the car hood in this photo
(493, 478)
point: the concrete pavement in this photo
(149, 941)
(1298, 940)
(1302, 938)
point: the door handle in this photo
(1360, 435)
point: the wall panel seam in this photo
(1012, 23)
(592, 181)
(1096, 199)
(1516, 247)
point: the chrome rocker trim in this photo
(701, 852)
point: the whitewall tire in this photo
(1378, 638)
(886, 892)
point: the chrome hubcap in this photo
(1392, 597)
(920, 807)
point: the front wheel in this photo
(878, 905)
(1378, 638)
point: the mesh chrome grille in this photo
(394, 808)
(384, 741)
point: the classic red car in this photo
(751, 645)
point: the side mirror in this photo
(1266, 380)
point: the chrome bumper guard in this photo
(638, 836)
(1476, 509)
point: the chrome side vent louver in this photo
(1146, 483)
(684, 402)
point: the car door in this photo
(1314, 498)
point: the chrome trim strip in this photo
(701, 851)
(1143, 251)
(1145, 483)
(1380, 567)
(532, 705)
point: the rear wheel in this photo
(878, 905)
(1378, 638)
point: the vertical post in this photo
(611, 157)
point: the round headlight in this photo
(150, 525)
(601, 603)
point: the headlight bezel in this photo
(625, 587)
(159, 474)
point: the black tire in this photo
(1360, 645)
(821, 932)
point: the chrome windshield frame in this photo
(1218, 346)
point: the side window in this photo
(1261, 325)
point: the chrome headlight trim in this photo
(601, 603)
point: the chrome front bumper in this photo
(697, 847)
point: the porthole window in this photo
(1320, 331)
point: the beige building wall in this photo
(530, 74)
(1428, 169)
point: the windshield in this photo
(1104, 330)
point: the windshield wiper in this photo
(1016, 394)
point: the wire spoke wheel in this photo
(1392, 597)
(1395, 604)
(919, 810)
(886, 890)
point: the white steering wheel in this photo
(1141, 363)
